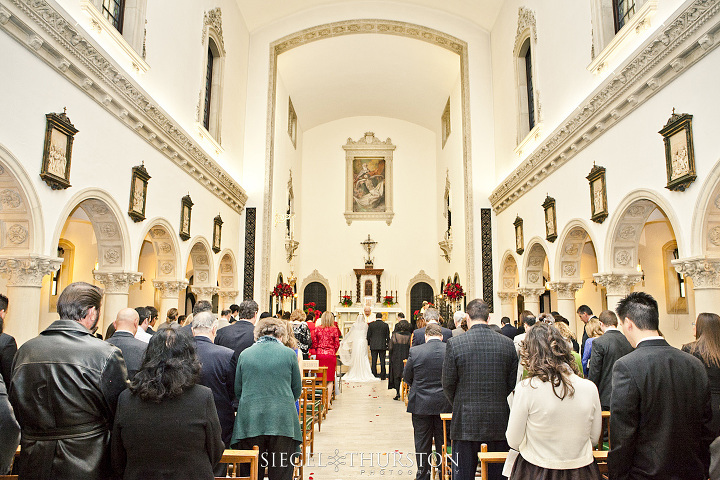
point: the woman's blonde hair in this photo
(327, 319)
(273, 327)
(565, 331)
(593, 328)
(297, 315)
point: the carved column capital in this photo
(28, 271)
(229, 294)
(169, 288)
(507, 298)
(705, 272)
(617, 284)
(204, 293)
(531, 295)
(117, 282)
(566, 290)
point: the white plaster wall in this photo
(405, 247)
(633, 154)
(480, 98)
(177, 59)
(104, 152)
(561, 57)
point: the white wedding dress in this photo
(354, 353)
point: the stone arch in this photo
(626, 226)
(420, 277)
(227, 270)
(163, 238)
(21, 213)
(535, 256)
(570, 248)
(110, 231)
(316, 277)
(509, 273)
(705, 230)
(368, 27)
(200, 257)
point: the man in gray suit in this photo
(423, 372)
(458, 317)
(133, 350)
(606, 350)
(479, 373)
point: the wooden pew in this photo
(445, 417)
(605, 426)
(486, 458)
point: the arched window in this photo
(210, 107)
(528, 104)
(114, 11)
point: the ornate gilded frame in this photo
(679, 151)
(550, 219)
(598, 194)
(217, 233)
(186, 205)
(519, 236)
(57, 153)
(138, 193)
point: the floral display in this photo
(454, 291)
(346, 301)
(282, 290)
(388, 300)
(309, 309)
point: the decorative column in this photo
(25, 275)
(566, 300)
(117, 287)
(508, 301)
(169, 291)
(227, 298)
(705, 274)
(204, 293)
(617, 285)
(532, 298)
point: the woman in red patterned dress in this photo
(326, 340)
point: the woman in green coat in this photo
(267, 383)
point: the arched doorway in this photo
(419, 293)
(537, 273)
(510, 303)
(200, 273)
(316, 292)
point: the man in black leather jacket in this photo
(64, 390)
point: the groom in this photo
(378, 336)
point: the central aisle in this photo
(367, 434)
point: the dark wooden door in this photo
(316, 292)
(419, 293)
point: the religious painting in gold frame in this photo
(598, 194)
(217, 232)
(186, 205)
(57, 153)
(519, 236)
(679, 151)
(138, 193)
(550, 219)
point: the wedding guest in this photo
(431, 315)
(479, 372)
(200, 306)
(165, 402)
(556, 415)
(234, 310)
(268, 370)
(312, 323)
(66, 380)
(460, 324)
(585, 313)
(399, 348)
(606, 350)
(181, 320)
(326, 341)
(507, 329)
(9, 431)
(301, 332)
(133, 350)
(419, 323)
(154, 314)
(8, 345)
(706, 348)
(568, 336)
(239, 335)
(172, 320)
(594, 330)
(224, 319)
(560, 319)
(143, 324)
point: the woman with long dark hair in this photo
(399, 348)
(706, 347)
(163, 403)
(556, 416)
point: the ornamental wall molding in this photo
(169, 288)
(54, 38)
(228, 294)
(682, 41)
(566, 290)
(28, 271)
(369, 26)
(213, 19)
(531, 295)
(507, 297)
(117, 282)
(704, 271)
(617, 284)
(204, 293)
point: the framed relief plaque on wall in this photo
(368, 179)
(217, 232)
(598, 194)
(519, 236)
(186, 205)
(59, 135)
(138, 193)
(679, 151)
(550, 219)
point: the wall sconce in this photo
(641, 272)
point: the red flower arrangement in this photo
(346, 301)
(282, 290)
(309, 307)
(454, 291)
(388, 300)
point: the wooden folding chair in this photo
(445, 417)
(486, 458)
(605, 426)
(234, 458)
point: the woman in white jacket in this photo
(556, 416)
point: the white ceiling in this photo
(369, 75)
(259, 13)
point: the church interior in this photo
(339, 154)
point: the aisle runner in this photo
(367, 434)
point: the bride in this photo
(354, 353)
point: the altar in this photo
(346, 316)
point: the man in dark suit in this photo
(423, 372)
(217, 373)
(154, 314)
(239, 336)
(378, 337)
(606, 350)
(479, 373)
(507, 328)
(143, 324)
(660, 403)
(234, 309)
(199, 307)
(133, 350)
(585, 313)
(8, 345)
(431, 315)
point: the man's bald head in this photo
(127, 319)
(367, 311)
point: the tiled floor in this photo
(366, 435)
